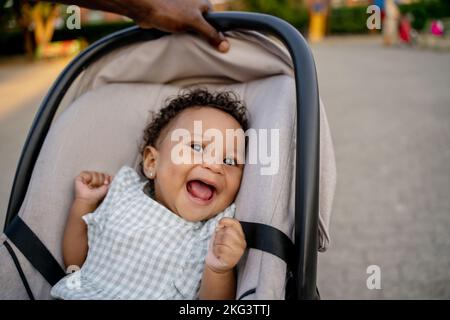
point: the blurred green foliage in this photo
(348, 20)
(6, 15)
(12, 42)
(293, 11)
(353, 19)
(92, 32)
(341, 20)
(344, 19)
(426, 10)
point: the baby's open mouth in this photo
(200, 190)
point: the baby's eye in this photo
(197, 147)
(229, 161)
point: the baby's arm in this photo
(90, 189)
(219, 278)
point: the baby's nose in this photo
(214, 164)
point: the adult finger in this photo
(214, 37)
(206, 6)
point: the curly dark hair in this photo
(226, 101)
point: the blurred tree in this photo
(293, 11)
(22, 10)
(5, 13)
(44, 16)
(420, 18)
(35, 19)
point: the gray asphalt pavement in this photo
(389, 112)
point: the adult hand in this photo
(166, 15)
(178, 16)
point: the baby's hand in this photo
(92, 186)
(227, 246)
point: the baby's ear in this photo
(149, 160)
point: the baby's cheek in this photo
(235, 183)
(228, 198)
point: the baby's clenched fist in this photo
(92, 186)
(227, 246)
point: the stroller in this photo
(93, 118)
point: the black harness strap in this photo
(19, 269)
(247, 293)
(269, 239)
(34, 250)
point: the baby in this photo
(151, 240)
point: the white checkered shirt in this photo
(138, 249)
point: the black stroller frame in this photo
(300, 256)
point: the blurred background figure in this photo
(405, 29)
(391, 23)
(318, 20)
(437, 28)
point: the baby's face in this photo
(208, 179)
